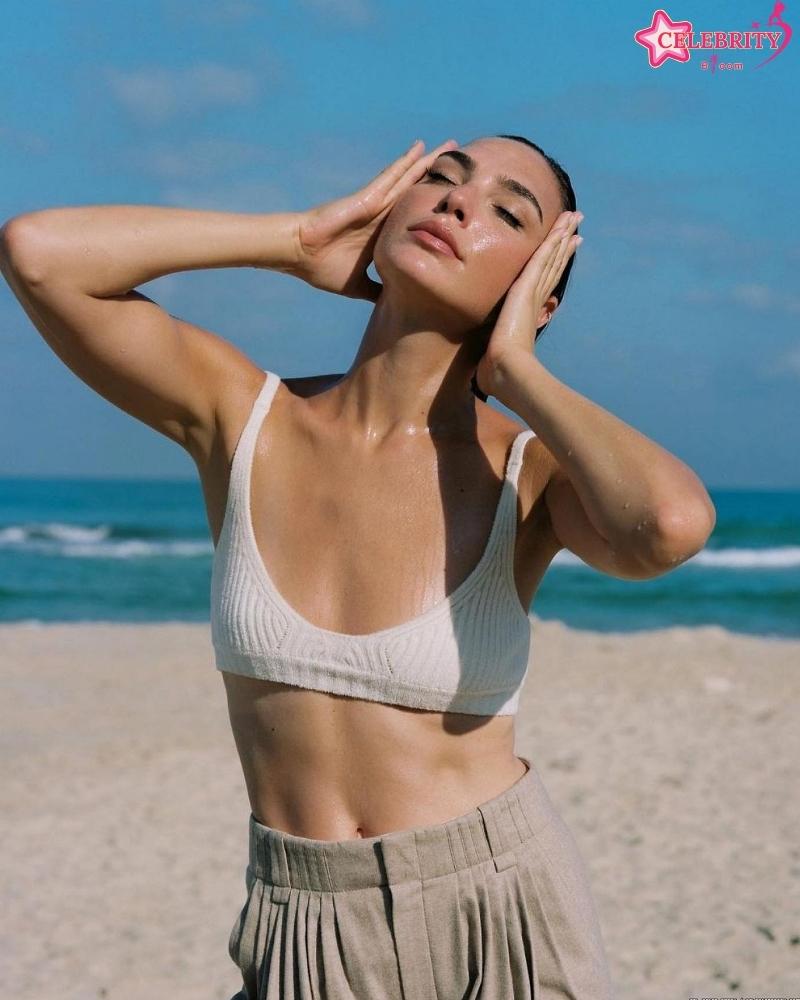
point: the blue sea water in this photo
(140, 551)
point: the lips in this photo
(440, 231)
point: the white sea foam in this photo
(84, 542)
(781, 557)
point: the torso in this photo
(383, 518)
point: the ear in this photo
(548, 309)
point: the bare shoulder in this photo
(237, 379)
(243, 383)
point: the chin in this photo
(401, 263)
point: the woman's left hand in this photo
(522, 311)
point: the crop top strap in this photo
(517, 452)
(502, 541)
(243, 455)
(502, 545)
(264, 397)
(259, 411)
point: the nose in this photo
(454, 201)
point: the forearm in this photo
(637, 494)
(110, 249)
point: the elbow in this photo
(21, 247)
(680, 534)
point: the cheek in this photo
(401, 216)
(497, 262)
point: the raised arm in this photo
(74, 270)
(616, 498)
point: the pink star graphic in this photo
(662, 30)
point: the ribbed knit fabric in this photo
(468, 653)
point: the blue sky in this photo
(683, 311)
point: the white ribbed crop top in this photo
(468, 653)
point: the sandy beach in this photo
(673, 755)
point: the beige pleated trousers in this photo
(493, 904)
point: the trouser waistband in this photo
(493, 830)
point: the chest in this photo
(358, 539)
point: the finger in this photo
(412, 173)
(541, 262)
(418, 168)
(568, 217)
(564, 224)
(563, 229)
(541, 272)
(559, 242)
(383, 181)
(555, 265)
(564, 252)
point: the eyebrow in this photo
(469, 165)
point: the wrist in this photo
(281, 249)
(510, 370)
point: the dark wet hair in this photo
(568, 204)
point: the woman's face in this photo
(495, 230)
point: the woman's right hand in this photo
(335, 240)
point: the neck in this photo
(410, 375)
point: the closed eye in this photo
(512, 220)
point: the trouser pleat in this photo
(492, 905)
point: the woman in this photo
(379, 536)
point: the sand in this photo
(673, 755)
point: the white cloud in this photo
(754, 295)
(195, 159)
(762, 297)
(239, 196)
(785, 364)
(653, 230)
(156, 94)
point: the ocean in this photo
(74, 550)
